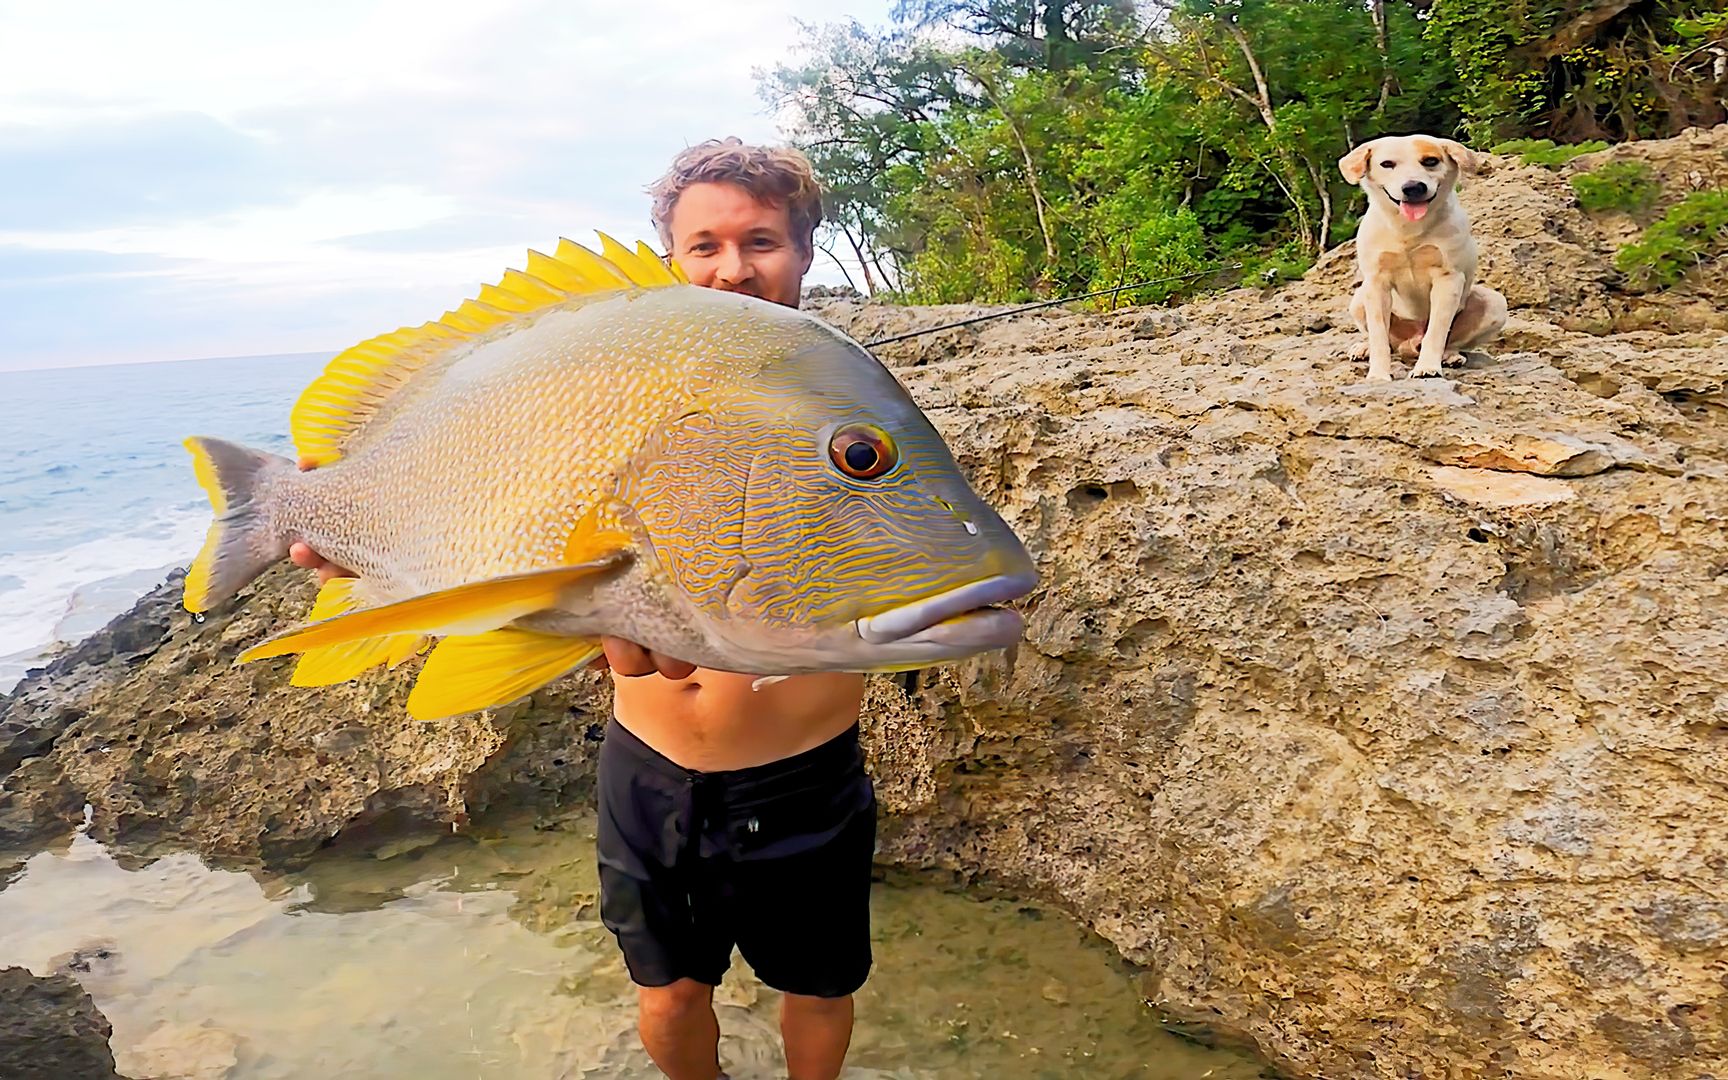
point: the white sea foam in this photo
(50, 599)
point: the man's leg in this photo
(679, 1030)
(675, 951)
(808, 936)
(817, 1033)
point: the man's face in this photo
(725, 239)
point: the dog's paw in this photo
(1424, 371)
(1454, 359)
(1357, 353)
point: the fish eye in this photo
(1430, 162)
(862, 451)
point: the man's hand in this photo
(302, 555)
(629, 658)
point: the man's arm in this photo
(624, 657)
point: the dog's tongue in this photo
(1413, 211)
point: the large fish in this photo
(595, 446)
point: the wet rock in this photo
(51, 1030)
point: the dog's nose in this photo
(1415, 189)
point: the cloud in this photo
(228, 179)
(109, 171)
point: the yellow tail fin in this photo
(242, 541)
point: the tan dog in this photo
(1418, 260)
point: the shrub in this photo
(1544, 152)
(1626, 186)
(1694, 230)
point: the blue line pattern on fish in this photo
(593, 446)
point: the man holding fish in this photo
(734, 809)
(784, 757)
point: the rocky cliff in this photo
(1385, 724)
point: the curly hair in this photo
(774, 175)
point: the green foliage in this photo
(1580, 69)
(1692, 232)
(1627, 186)
(1543, 151)
(1286, 262)
(1006, 150)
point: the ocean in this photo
(97, 498)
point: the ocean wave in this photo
(50, 599)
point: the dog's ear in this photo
(1354, 165)
(1462, 156)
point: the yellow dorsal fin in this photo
(592, 270)
(354, 384)
(671, 265)
(647, 272)
(467, 673)
(339, 663)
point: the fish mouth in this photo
(965, 617)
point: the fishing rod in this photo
(1047, 303)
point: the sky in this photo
(182, 180)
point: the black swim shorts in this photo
(773, 859)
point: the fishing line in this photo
(1048, 303)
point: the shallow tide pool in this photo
(481, 956)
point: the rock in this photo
(1158, 324)
(51, 1030)
(1494, 489)
(295, 770)
(1384, 724)
(1542, 455)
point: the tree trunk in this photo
(1377, 9)
(863, 264)
(1055, 36)
(1050, 256)
(1314, 242)
(890, 282)
(1576, 31)
(828, 251)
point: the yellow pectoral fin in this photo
(476, 672)
(467, 609)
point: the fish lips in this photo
(962, 618)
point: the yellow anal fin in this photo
(352, 387)
(467, 609)
(479, 671)
(332, 664)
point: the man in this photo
(729, 815)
